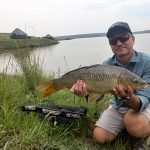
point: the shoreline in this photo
(6, 43)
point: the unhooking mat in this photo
(49, 108)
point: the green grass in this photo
(27, 131)
(7, 43)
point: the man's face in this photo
(122, 43)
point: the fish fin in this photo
(100, 98)
(47, 88)
(92, 98)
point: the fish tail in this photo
(47, 88)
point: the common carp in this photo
(99, 79)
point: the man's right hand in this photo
(79, 88)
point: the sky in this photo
(69, 17)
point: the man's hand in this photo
(127, 96)
(79, 88)
(121, 92)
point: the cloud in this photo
(138, 10)
(95, 6)
(62, 17)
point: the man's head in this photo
(118, 27)
(121, 39)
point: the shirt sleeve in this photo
(144, 94)
(144, 102)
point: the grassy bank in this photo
(27, 131)
(7, 43)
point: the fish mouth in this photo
(144, 86)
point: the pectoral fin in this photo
(93, 97)
(100, 98)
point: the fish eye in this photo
(135, 81)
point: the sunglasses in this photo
(122, 39)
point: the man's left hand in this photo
(121, 92)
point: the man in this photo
(128, 109)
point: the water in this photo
(71, 54)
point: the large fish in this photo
(99, 79)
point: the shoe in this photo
(134, 143)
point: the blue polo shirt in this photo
(140, 65)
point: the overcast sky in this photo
(66, 17)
